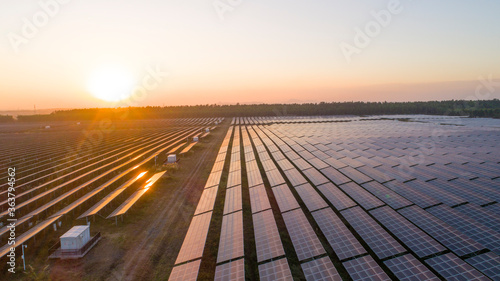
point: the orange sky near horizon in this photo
(254, 52)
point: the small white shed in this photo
(75, 238)
(47, 127)
(172, 158)
(195, 138)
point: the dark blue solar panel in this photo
(372, 233)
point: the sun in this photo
(111, 83)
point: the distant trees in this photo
(484, 108)
(6, 118)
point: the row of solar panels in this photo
(188, 260)
(378, 240)
(363, 197)
(35, 229)
(38, 159)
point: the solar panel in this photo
(367, 159)
(278, 156)
(249, 156)
(355, 175)
(408, 268)
(481, 186)
(274, 178)
(275, 271)
(338, 199)
(453, 268)
(268, 165)
(185, 272)
(310, 197)
(251, 165)
(320, 154)
(254, 178)
(441, 195)
(293, 156)
(305, 241)
(297, 147)
(234, 179)
(322, 147)
(309, 147)
(263, 155)
(231, 237)
(207, 200)
(475, 230)
(365, 269)
(383, 193)
(372, 233)
(295, 177)
(321, 270)
(487, 263)
(421, 199)
(234, 270)
(213, 179)
(306, 154)
(400, 173)
(194, 242)
(285, 164)
(442, 232)
(337, 164)
(495, 208)
(456, 188)
(335, 176)
(361, 196)
(349, 160)
(218, 166)
(338, 235)
(417, 240)
(315, 177)
(233, 200)
(235, 165)
(302, 164)
(267, 238)
(318, 163)
(481, 215)
(284, 197)
(258, 199)
(221, 157)
(375, 174)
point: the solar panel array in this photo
(234, 270)
(267, 239)
(194, 242)
(278, 270)
(408, 268)
(231, 244)
(338, 235)
(365, 268)
(305, 241)
(405, 200)
(321, 270)
(185, 272)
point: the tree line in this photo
(482, 108)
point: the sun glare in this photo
(111, 83)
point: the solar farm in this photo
(348, 198)
(69, 173)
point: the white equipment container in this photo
(75, 238)
(172, 158)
